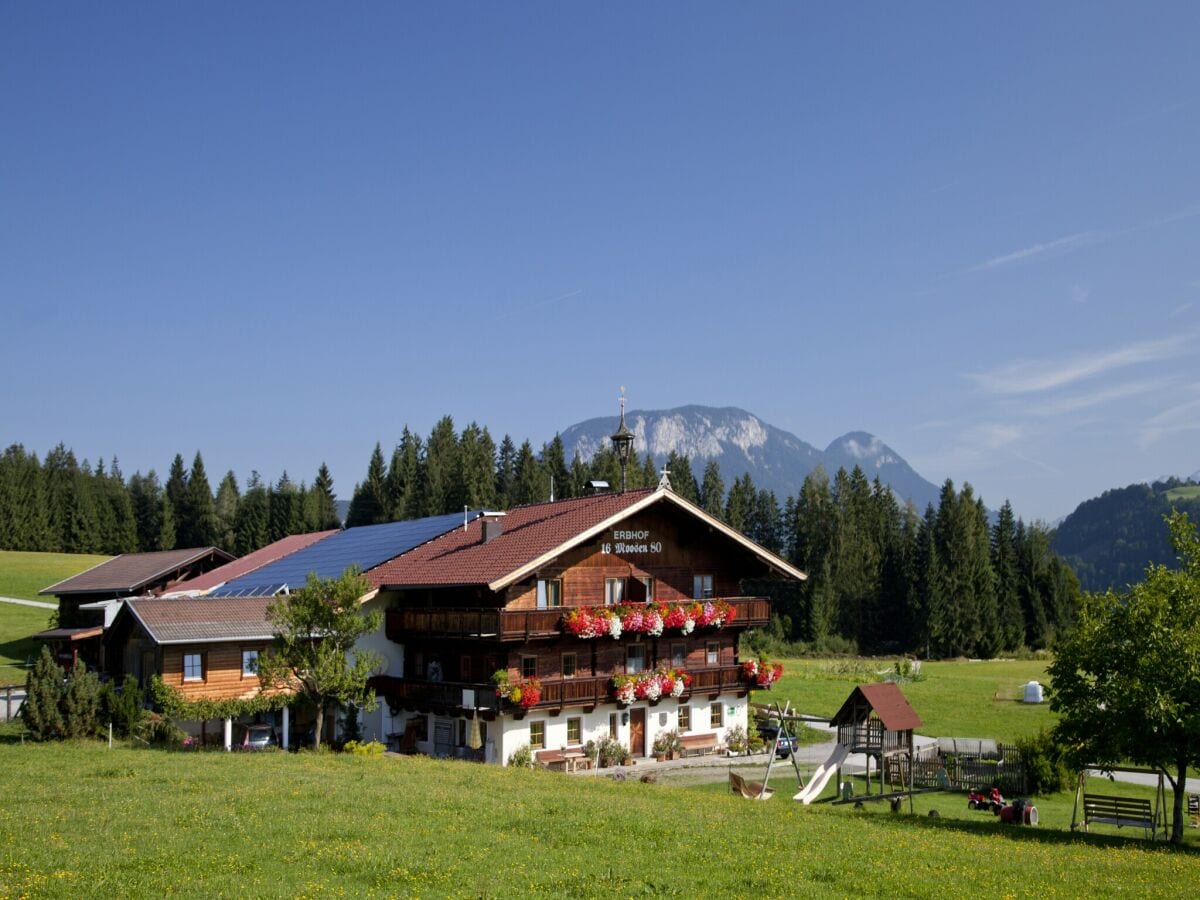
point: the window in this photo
(249, 663)
(575, 731)
(712, 653)
(715, 718)
(537, 735)
(462, 732)
(612, 725)
(678, 655)
(464, 668)
(193, 667)
(635, 659)
(649, 583)
(549, 593)
(685, 718)
(614, 591)
(568, 665)
(702, 587)
(529, 667)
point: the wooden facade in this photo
(457, 637)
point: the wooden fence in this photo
(931, 770)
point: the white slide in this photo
(821, 777)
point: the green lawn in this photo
(22, 575)
(147, 823)
(953, 699)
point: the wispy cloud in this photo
(1055, 247)
(1075, 402)
(540, 304)
(1072, 242)
(1180, 309)
(1080, 294)
(1032, 376)
(1177, 419)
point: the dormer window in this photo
(614, 591)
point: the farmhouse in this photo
(613, 615)
(87, 602)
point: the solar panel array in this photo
(366, 546)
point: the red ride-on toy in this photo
(992, 800)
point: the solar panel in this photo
(366, 546)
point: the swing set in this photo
(1135, 812)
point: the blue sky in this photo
(277, 233)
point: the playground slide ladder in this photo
(824, 772)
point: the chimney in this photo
(493, 525)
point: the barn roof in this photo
(251, 562)
(131, 572)
(533, 535)
(888, 703)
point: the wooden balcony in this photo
(448, 697)
(519, 625)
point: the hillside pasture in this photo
(957, 698)
(22, 575)
(320, 824)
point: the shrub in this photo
(736, 740)
(611, 752)
(81, 702)
(123, 707)
(351, 730)
(522, 757)
(1045, 770)
(370, 748)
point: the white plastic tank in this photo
(1033, 692)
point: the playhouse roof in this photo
(887, 702)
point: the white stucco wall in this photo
(378, 724)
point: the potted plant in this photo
(662, 746)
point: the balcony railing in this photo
(556, 693)
(521, 624)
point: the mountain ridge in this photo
(740, 441)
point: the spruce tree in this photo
(42, 709)
(532, 485)
(61, 479)
(506, 472)
(478, 466)
(683, 480)
(1004, 564)
(253, 517)
(554, 463)
(368, 505)
(737, 506)
(176, 490)
(285, 510)
(650, 473)
(146, 497)
(81, 702)
(226, 508)
(712, 490)
(443, 470)
(579, 476)
(324, 501)
(167, 539)
(199, 527)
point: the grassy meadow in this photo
(958, 698)
(22, 575)
(146, 823)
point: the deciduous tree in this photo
(1126, 678)
(315, 631)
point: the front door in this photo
(637, 732)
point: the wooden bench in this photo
(697, 744)
(1119, 811)
(551, 759)
(751, 790)
(1194, 809)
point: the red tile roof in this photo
(530, 536)
(284, 547)
(461, 557)
(888, 703)
(131, 572)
